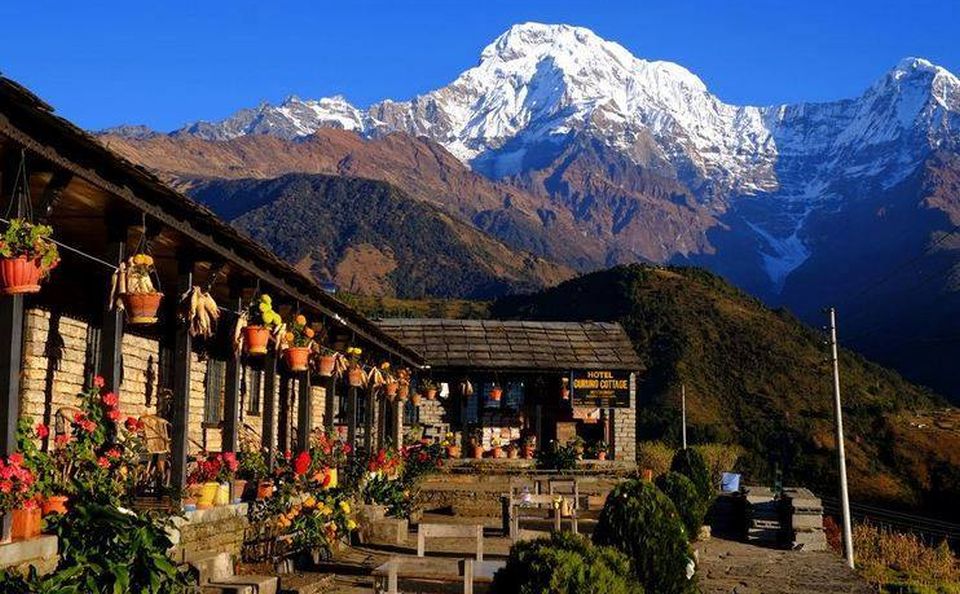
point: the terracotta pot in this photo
(208, 495)
(453, 451)
(601, 455)
(565, 393)
(403, 392)
(528, 452)
(327, 363)
(255, 339)
(141, 308)
(239, 488)
(647, 475)
(26, 523)
(296, 358)
(19, 275)
(390, 389)
(496, 452)
(264, 490)
(55, 504)
(415, 398)
(355, 377)
(430, 394)
(512, 453)
(496, 393)
(477, 452)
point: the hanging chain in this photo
(21, 206)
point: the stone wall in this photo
(57, 363)
(215, 530)
(624, 429)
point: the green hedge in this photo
(639, 520)
(689, 503)
(690, 463)
(565, 563)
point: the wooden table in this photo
(434, 569)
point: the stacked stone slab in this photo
(762, 514)
(803, 520)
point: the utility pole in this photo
(841, 457)
(683, 413)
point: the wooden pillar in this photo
(382, 405)
(369, 437)
(330, 403)
(397, 428)
(11, 358)
(231, 389)
(269, 406)
(283, 422)
(111, 333)
(182, 358)
(303, 413)
(352, 417)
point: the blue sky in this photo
(168, 62)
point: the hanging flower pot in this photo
(565, 393)
(403, 392)
(55, 504)
(355, 376)
(20, 275)
(327, 365)
(495, 393)
(26, 522)
(415, 398)
(430, 393)
(141, 308)
(390, 390)
(296, 358)
(255, 339)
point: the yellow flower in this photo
(264, 307)
(266, 299)
(345, 506)
(300, 320)
(325, 510)
(351, 525)
(309, 333)
(309, 502)
(288, 337)
(147, 260)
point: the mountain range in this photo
(565, 146)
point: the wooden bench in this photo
(514, 504)
(386, 577)
(425, 531)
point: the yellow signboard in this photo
(601, 388)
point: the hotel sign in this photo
(601, 388)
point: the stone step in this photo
(254, 584)
(216, 588)
(210, 567)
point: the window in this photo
(513, 393)
(213, 398)
(411, 413)
(252, 389)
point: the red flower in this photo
(61, 439)
(88, 425)
(99, 382)
(15, 459)
(42, 431)
(110, 399)
(347, 448)
(302, 464)
(6, 486)
(287, 455)
(113, 414)
(326, 478)
(113, 453)
(131, 424)
(78, 417)
(103, 462)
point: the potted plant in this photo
(429, 389)
(451, 444)
(577, 446)
(26, 257)
(18, 497)
(330, 454)
(206, 474)
(415, 398)
(252, 469)
(565, 389)
(355, 375)
(403, 384)
(496, 392)
(496, 446)
(327, 363)
(296, 343)
(598, 450)
(476, 443)
(133, 283)
(512, 451)
(529, 447)
(258, 322)
(391, 385)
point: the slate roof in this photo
(516, 345)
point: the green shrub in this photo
(690, 462)
(690, 505)
(654, 455)
(556, 456)
(719, 458)
(565, 563)
(643, 523)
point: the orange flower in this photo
(300, 320)
(309, 332)
(288, 337)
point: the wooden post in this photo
(329, 403)
(231, 389)
(283, 424)
(111, 333)
(11, 357)
(303, 413)
(269, 406)
(369, 439)
(182, 358)
(397, 429)
(352, 418)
